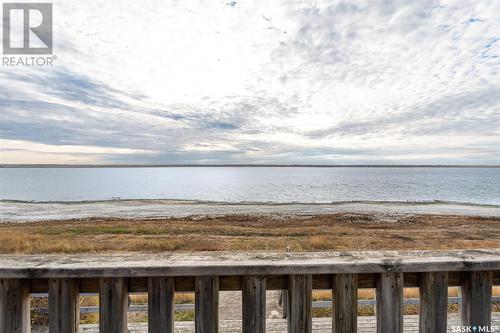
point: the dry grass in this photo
(184, 298)
(409, 309)
(139, 299)
(93, 318)
(252, 232)
(326, 295)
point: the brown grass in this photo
(92, 318)
(409, 309)
(326, 295)
(252, 232)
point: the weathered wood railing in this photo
(190, 306)
(114, 276)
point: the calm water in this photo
(237, 184)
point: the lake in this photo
(254, 184)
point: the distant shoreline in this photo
(249, 166)
(252, 203)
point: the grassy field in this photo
(252, 232)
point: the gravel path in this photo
(230, 305)
(320, 325)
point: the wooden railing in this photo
(190, 306)
(114, 276)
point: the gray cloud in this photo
(281, 82)
(460, 113)
(74, 87)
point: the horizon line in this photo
(173, 165)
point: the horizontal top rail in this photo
(247, 263)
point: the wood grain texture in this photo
(161, 305)
(433, 302)
(345, 303)
(244, 263)
(274, 282)
(64, 306)
(390, 303)
(284, 303)
(14, 306)
(476, 298)
(207, 304)
(113, 305)
(254, 304)
(299, 302)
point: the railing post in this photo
(64, 306)
(299, 303)
(161, 305)
(433, 302)
(476, 298)
(389, 306)
(14, 306)
(345, 303)
(207, 304)
(113, 305)
(254, 304)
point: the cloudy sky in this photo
(315, 82)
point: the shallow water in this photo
(251, 184)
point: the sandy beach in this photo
(22, 211)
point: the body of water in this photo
(253, 184)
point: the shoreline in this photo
(263, 203)
(27, 211)
(208, 165)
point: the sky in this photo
(285, 82)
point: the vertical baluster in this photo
(14, 306)
(207, 304)
(299, 303)
(254, 304)
(389, 303)
(433, 302)
(476, 298)
(284, 303)
(161, 305)
(345, 308)
(113, 305)
(64, 306)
